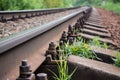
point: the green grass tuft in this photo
(81, 49)
(117, 59)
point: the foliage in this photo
(81, 49)
(96, 42)
(20, 4)
(112, 6)
(63, 69)
(53, 3)
(115, 1)
(117, 59)
(33, 4)
(40, 4)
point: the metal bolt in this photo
(25, 69)
(81, 23)
(61, 43)
(69, 35)
(41, 76)
(25, 72)
(64, 37)
(76, 26)
(83, 19)
(52, 46)
(71, 40)
(52, 51)
(48, 58)
(70, 29)
(64, 34)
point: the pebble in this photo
(111, 21)
(12, 27)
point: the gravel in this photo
(12, 27)
(112, 21)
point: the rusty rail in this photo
(16, 40)
(13, 15)
(26, 35)
(52, 52)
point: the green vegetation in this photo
(33, 4)
(82, 49)
(117, 59)
(96, 42)
(63, 69)
(20, 4)
(112, 5)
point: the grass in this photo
(115, 7)
(117, 59)
(63, 73)
(82, 49)
(96, 42)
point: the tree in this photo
(53, 3)
(115, 1)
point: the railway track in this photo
(32, 44)
(13, 15)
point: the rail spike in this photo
(85, 15)
(71, 40)
(25, 72)
(64, 37)
(77, 26)
(70, 29)
(52, 51)
(61, 44)
(81, 22)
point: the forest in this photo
(43, 4)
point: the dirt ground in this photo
(112, 21)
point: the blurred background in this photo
(113, 5)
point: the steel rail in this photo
(28, 34)
(12, 15)
(34, 45)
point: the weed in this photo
(63, 73)
(80, 49)
(117, 59)
(96, 42)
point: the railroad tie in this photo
(93, 27)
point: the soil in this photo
(112, 21)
